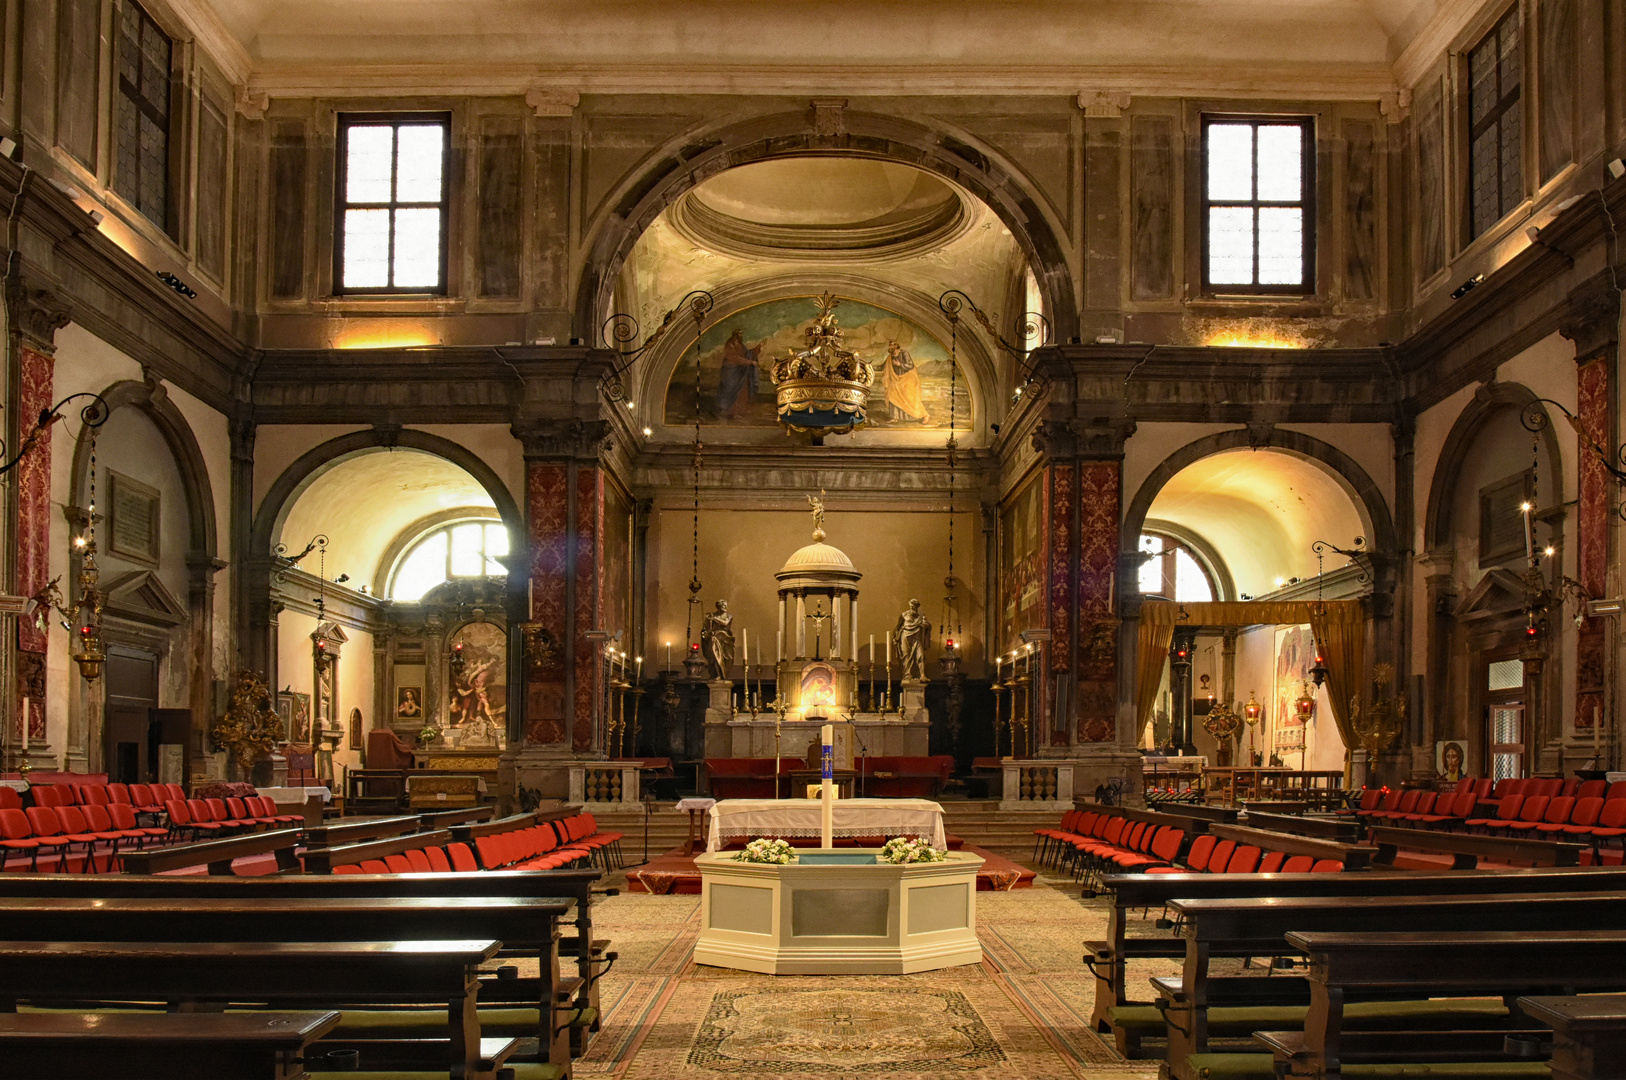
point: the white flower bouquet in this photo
(766, 851)
(907, 849)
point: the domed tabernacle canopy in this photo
(815, 573)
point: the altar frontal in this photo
(835, 912)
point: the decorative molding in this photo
(1097, 438)
(251, 106)
(1434, 40)
(829, 117)
(548, 102)
(1591, 317)
(214, 38)
(573, 439)
(1103, 103)
(1396, 106)
(1295, 80)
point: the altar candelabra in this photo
(1000, 689)
(1023, 723)
(781, 706)
(616, 721)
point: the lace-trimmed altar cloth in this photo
(748, 819)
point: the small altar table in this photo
(734, 819)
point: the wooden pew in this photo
(527, 927)
(218, 855)
(1131, 892)
(285, 974)
(1353, 858)
(576, 885)
(356, 831)
(445, 819)
(161, 1046)
(1222, 815)
(1467, 849)
(1168, 816)
(1591, 1034)
(323, 860)
(1478, 962)
(1258, 926)
(1338, 830)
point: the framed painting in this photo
(298, 712)
(409, 703)
(1451, 759)
(356, 725)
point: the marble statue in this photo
(913, 633)
(717, 641)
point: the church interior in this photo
(694, 539)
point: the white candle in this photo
(827, 811)
(889, 654)
(25, 721)
(1529, 534)
(639, 673)
(745, 650)
(668, 656)
(779, 648)
(530, 598)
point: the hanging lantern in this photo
(1304, 707)
(823, 389)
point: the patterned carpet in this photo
(1019, 1015)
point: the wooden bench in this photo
(160, 1046)
(1591, 1034)
(1130, 892)
(591, 954)
(1223, 815)
(445, 819)
(323, 860)
(1478, 962)
(354, 832)
(1247, 927)
(217, 855)
(1338, 830)
(525, 927)
(1353, 857)
(284, 974)
(1466, 849)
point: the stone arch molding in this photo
(299, 476)
(976, 363)
(1356, 482)
(706, 150)
(1488, 400)
(151, 398)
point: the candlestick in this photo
(530, 598)
(668, 656)
(25, 722)
(1529, 534)
(779, 649)
(638, 672)
(745, 646)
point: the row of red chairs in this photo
(144, 797)
(547, 845)
(535, 848)
(1542, 817)
(60, 829)
(452, 857)
(1209, 855)
(221, 817)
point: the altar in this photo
(749, 819)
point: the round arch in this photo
(702, 152)
(1368, 500)
(287, 488)
(1487, 402)
(202, 534)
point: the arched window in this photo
(1173, 574)
(463, 549)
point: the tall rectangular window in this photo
(141, 175)
(1495, 169)
(1258, 206)
(392, 204)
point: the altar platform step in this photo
(675, 873)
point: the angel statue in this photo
(817, 502)
(913, 633)
(717, 641)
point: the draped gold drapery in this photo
(1340, 628)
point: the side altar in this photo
(818, 672)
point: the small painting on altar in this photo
(409, 702)
(818, 685)
(477, 706)
(295, 710)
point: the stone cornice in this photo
(116, 298)
(1431, 42)
(212, 36)
(1294, 80)
(752, 477)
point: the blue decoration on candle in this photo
(827, 762)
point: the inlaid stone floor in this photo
(1022, 1014)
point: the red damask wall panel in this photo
(547, 507)
(33, 494)
(1099, 495)
(589, 598)
(1592, 537)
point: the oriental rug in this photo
(1022, 1014)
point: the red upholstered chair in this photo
(348, 868)
(1327, 866)
(374, 866)
(9, 799)
(202, 819)
(1568, 787)
(172, 791)
(78, 829)
(461, 858)
(1245, 860)
(1557, 815)
(418, 860)
(1483, 786)
(1271, 861)
(52, 795)
(1507, 810)
(1531, 813)
(143, 798)
(1465, 784)
(438, 862)
(118, 793)
(1407, 803)
(1617, 790)
(1298, 864)
(1584, 816)
(123, 818)
(1421, 807)
(1221, 858)
(268, 808)
(48, 831)
(17, 837)
(1611, 821)
(92, 794)
(1592, 789)
(398, 864)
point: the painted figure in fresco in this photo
(1451, 759)
(470, 698)
(901, 379)
(913, 633)
(737, 381)
(407, 707)
(717, 641)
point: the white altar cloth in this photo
(733, 819)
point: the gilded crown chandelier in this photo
(823, 389)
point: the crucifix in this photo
(818, 617)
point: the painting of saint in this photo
(409, 702)
(478, 689)
(1295, 653)
(901, 381)
(738, 381)
(1449, 758)
(915, 385)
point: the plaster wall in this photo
(296, 671)
(213, 431)
(277, 446)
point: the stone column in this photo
(1592, 322)
(564, 517)
(37, 315)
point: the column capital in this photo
(1092, 438)
(1591, 317)
(570, 439)
(37, 314)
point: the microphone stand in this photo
(863, 760)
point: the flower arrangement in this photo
(766, 851)
(907, 849)
(428, 734)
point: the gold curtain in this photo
(1341, 632)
